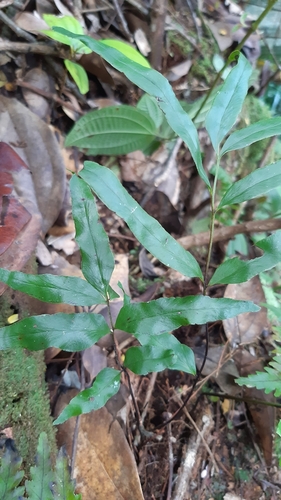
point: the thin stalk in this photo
(212, 225)
(120, 365)
(251, 30)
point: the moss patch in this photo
(24, 401)
(202, 67)
(24, 404)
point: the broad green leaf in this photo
(155, 84)
(79, 75)
(42, 476)
(68, 23)
(107, 384)
(269, 380)
(51, 288)
(253, 185)
(145, 359)
(127, 50)
(238, 271)
(115, 130)
(278, 430)
(166, 314)
(146, 229)
(10, 476)
(228, 102)
(97, 258)
(253, 133)
(63, 487)
(160, 350)
(70, 332)
(148, 105)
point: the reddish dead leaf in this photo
(20, 221)
(36, 144)
(13, 216)
(263, 416)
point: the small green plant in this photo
(77, 72)
(44, 483)
(150, 323)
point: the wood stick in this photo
(226, 233)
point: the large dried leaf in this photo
(246, 328)
(21, 221)
(37, 146)
(105, 467)
(224, 372)
(38, 104)
(261, 413)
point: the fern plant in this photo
(45, 483)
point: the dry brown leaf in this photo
(179, 70)
(37, 103)
(94, 64)
(105, 467)
(35, 143)
(224, 372)
(263, 416)
(94, 359)
(246, 328)
(30, 22)
(45, 7)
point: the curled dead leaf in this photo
(246, 328)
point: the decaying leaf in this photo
(20, 219)
(224, 372)
(37, 147)
(105, 467)
(30, 22)
(38, 104)
(263, 416)
(246, 328)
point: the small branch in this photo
(243, 399)
(205, 422)
(148, 395)
(5, 3)
(139, 6)
(251, 30)
(121, 367)
(122, 20)
(226, 233)
(48, 95)
(190, 6)
(35, 48)
(266, 153)
(201, 436)
(158, 16)
(171, 460)
(19, 32)
(77, 425)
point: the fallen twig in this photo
(226, 233)
(16, 29)
(205, 422)
(48, 95)
(158, 16)
(34, 48)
